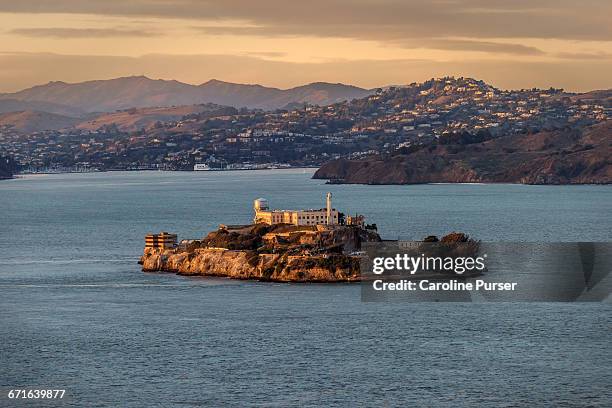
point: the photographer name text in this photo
(452, 285)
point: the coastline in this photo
(25, 175)
(162, 170)
(483, 183)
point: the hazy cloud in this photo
(432, 43)
(482, 46)
(585, 55)
(234, 30)
(368, 19)
(81, 32)
(266, 54)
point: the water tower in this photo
(261, 204)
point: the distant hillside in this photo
(33, 121)
(570, 156)
(15, 105)
(602, 95)
(415, 112)
(140, 91)
(145, 118)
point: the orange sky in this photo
(512, 44)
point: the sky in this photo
(368, 43)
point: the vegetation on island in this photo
(7, 167)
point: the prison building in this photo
(322, 216)
(162, 240)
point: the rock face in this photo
(570, 156)
(240, 264)
(278, 253)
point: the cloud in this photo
(236, 30)
(585, 55)
(266, 54)
(431, 43)
(482, 46)
(379, 20)
(54, 32)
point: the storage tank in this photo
(261, 204)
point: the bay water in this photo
(77, 313)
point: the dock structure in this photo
(163, 240)
(322, 216)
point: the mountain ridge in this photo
(140, 91)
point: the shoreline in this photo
(485, 183)
(157, 170)
(24, 175)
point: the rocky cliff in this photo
(568, 156)
(270, 253)
(241, 264)
(290, 254)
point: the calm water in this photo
(77, 313)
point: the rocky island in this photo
(283, 253)
(564, 156)
(281, 245)
(315, 245)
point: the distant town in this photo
(387, 121)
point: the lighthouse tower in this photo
(328, 218)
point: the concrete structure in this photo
(325, 216)
(357, 220)
(163, 240)
(328, 210)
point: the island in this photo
(563, 156)
(312, 245)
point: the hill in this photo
(565, 156)
(140, 91)
(145, 118)
(34, 121)
(603, 96)
(15, 105)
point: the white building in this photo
(325, 216)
